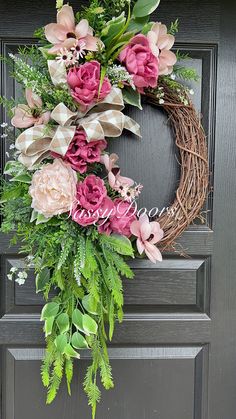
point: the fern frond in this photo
(69, 373)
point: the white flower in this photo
(13, 270)
(66, 57)
(12, 147)
(161, 101)
(79, 49)
(4, 125)
(20, 281)
(9, 276)
(191, 92)
(4, 136)
(173, 76)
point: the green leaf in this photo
(49, 310)
(89, 325)
(48, 325)
(132, 97)
(112, 29)
(145, 7)
(78, 341)
(12, 167)
(119, 244)
(63, 322)
(60, 343)
(41, 219)
(22, 177)
(147, 28)
(137, 24)
(69, 351)
(42, 279)
(77, 319)
(90, 304)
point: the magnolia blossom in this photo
(160, 43)
(26, 116)
(116, 181)
(148, 235)
(64, 33)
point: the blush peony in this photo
(140, 62)
(84, 82)
(53, 189)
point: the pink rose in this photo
(92, 201)
(84, 82)
(121, 219)
(140, 62)
(53, 189)
(80, 152)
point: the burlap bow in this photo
(104, 119)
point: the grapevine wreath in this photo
(64, 195)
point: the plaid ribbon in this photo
(57, 72)
(37, 142)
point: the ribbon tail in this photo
(132, 126)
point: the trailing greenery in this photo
(85, 268)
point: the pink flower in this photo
(120, 220)
(84, 82)
(160, 43)
(64, 33)
(26, 116)
(140, 62)
(80, 152)
(92, 201)
(148, 235)
(53, 189)
(116, 181)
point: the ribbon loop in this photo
(103, 119)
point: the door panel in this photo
(174, 355)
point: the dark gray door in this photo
(174, 357)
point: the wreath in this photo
(63, 194)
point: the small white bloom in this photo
(161, 101)
(13, 270)
(66, 57)
(191, 92)
(12, 147)
(173, 76)
(4, 125)
(4, 136)
(20, 281)
(7, 154)
(9, 276)
(79, 49)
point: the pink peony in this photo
(64, 33)
(92, 201)
(139, 60)
(53, 189)
(148, 234)
(84, 82)
(120, 220)
(26, 116)
(80, 152)
(160, 43)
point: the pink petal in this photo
(33, 100)
(111, 179)
(135, 229)
(43, 119)
(81, 30)
(91, 43)
(146, 230)
(140, 246)
(22, 117)
(66, 18)
(124, 180)
(166, 42)
(152, 252)
(56, 48)
(157, 232)
(167, 58)
(55, 33)
(69, 43)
